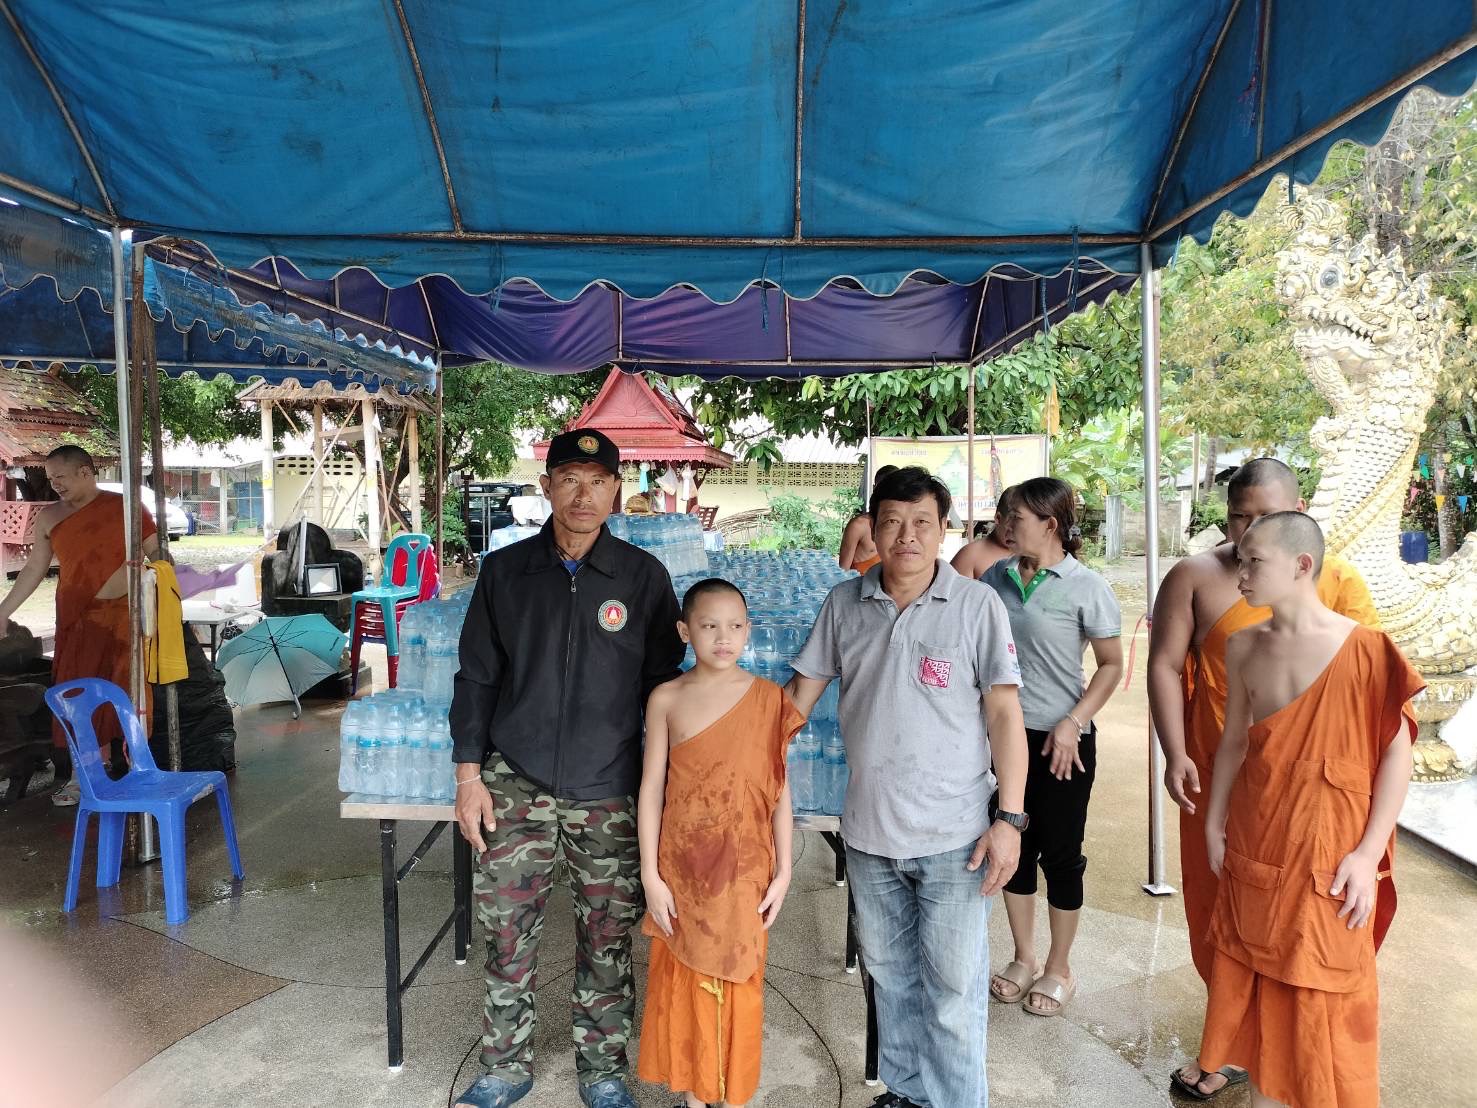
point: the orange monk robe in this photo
(704, 1022)
(92, 636)
(1342, 590)
(1293, 997)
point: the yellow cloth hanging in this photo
(165, 652)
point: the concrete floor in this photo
(270, 994)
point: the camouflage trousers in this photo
(597, 841)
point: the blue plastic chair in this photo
(145, 788)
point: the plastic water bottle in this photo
(393, 740)
(413, 781)
(835, 771)
(348, 742)
(412, 673)
(808, 769)
(442, 782)
(367, 764)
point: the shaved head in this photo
(1260, 473)
(1293, 533)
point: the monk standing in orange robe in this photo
(715, 825)
(84, 531)
(1311, 772)
(1198, 608)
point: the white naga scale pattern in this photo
(1371, 339)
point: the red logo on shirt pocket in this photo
(935, 672)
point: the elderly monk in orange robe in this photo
(1311, 772)
(1198, 608)
(84, 530)
(715, 825)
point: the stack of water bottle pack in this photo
(785, 592)
(398, 742)
(675, 540)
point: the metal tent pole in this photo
(147, 364)
(371, 484)
(440, 459)
(969, 479)
(128, 463)
(1149, 336)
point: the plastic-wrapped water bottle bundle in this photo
(395, 744)
(785, 592)
(675, 540)
(507, 536)
(398, 742)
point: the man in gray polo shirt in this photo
(925, 660)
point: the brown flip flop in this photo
(1052, 988)
(1018, 974)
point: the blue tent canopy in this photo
(63, 319)
(651, 145)
(762, 333)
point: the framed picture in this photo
(321, 580)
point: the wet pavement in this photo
(271, 993)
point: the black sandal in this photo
(1186, 1088)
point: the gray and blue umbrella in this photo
(279, 658)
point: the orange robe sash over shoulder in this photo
(1293, 995)
(92, 635)
(1205, 684)
(703, 1025)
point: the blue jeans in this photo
(924, 933)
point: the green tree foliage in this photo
(1226, 340)
(487, 402)
(1105, 457)
(1093, 358)
(189, 407)
(800, 523)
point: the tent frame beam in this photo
(797, 217)
(61, 106)
(1311, 137)
(430, 110)
(1190, 109)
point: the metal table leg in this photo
(390, 883)
(391, 875)
(854, 960)
(461, 853)
(871, 1061)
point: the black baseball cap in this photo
(583, 445)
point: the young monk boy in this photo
(1198, 610)
(715, 825)
(1309, 777)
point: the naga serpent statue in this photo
(1371, 339)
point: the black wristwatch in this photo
(1019, 820)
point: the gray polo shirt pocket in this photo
(942, 669)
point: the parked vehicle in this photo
(177, 519)
(485, 509)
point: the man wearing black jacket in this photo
(567, 633)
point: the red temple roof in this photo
(647, 422)
(39, 412)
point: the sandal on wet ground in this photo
(1192, 1089)
(1050, 987)
(1018, 974)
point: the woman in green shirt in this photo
(1057, 607)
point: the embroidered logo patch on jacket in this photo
(935, 672)
(612, 615)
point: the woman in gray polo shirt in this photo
(1057, 608)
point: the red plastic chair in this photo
(369, 618)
